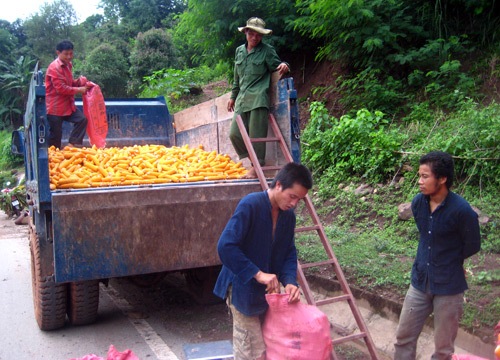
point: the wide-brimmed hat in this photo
(256, 24)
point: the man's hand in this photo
(81, 90)
(293, 292)
(270, 280)
(82, 80)
(230, 105)
(282, 69)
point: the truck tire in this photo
(49, 298)
(83, 302)
(200, 284)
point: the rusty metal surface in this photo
(138, 230)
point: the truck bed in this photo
(105, 233)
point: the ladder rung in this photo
(348, 338)
(307, 228)
(268, 139)
(319, 263)
(333, 300)
(264, 168)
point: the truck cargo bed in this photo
(113, 232)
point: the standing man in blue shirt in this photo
(449, 234)
(257, 250)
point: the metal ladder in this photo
(317, 227)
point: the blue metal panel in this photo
(133, 122)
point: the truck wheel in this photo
(83, 302)
(200, 284)
(49, 298)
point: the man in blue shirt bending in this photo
(449, 234)
(257, 250)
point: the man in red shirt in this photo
(60, 91)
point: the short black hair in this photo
(64, 45)
(293, 173)
(441, 165)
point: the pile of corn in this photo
(73, 168)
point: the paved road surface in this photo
(118, 322)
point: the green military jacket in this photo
(252, 76)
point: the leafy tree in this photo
(107, 66)
(136, 16)
(152, 50)
(14, 81)
(208, 30)
(7, 44)
(55, 22)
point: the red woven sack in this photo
(295, 331)
(94, 109)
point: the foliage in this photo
(7, 159)
(152, 51)
(370, 89)
(400, 52)
(14, 80)
(207, 31)
(141, 15)
(107, 66)
(55, 22)
(363, 145)
(361, 33)
(8, 195)
(471, 135)
(176, 84)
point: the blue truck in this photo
(80, 238)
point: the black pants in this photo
(55, 128)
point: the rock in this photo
(363, 190)
(407, 168)
(483, 219)
(404, 211)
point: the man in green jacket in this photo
(254, 63)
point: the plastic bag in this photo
(113, 354)
(295, 331)
(466, 357)
(94, 109)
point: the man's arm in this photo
(471, 235)
(60, 84)
(230, 244)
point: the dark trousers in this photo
(256, 122)
(55, 128)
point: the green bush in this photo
(8, 160)
(470, 134)
(177, 84)
(363, 145)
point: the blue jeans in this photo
(417, 307)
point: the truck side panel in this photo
(208, 123)
(140, 230)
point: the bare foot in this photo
(251, 174)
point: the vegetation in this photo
(412, 76)
(375, 248)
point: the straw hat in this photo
(256, 24)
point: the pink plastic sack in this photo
(466, 357)
(94, 109)
(295, 331)
(113, 354)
